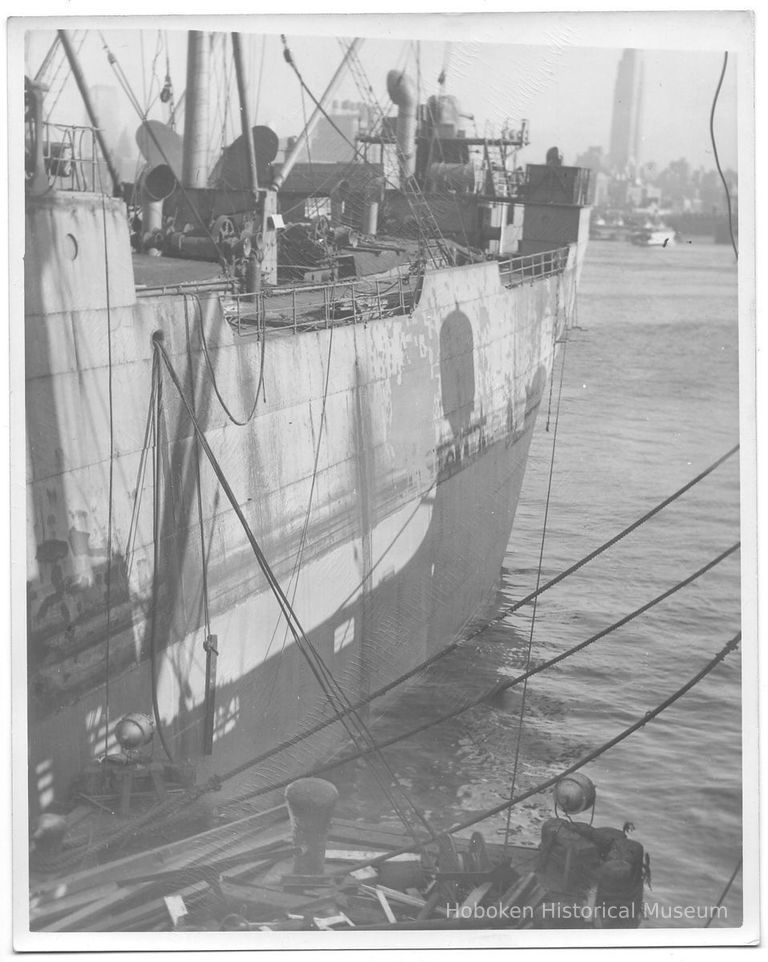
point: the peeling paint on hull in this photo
(420, 445)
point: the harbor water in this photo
(649, 399)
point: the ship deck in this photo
(290, 308)
(151, 272)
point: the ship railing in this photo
(72, 159)
(530, 267)
(305, 307)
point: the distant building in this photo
(332, 139)
(106, 100)
(627, 117)
(594, 160)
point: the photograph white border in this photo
(707, 29)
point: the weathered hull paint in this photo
(380, 474)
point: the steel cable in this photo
(584, 760)
(505, 685)
(355, 727)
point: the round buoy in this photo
(134, 730)
(574, 793)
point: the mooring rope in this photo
(521, 718)
(510, 609)
(584, 760)
(726, 890)
(504, 685)
(171, 806)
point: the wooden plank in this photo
(372, 828)
(515, 892)
(327, 923)
(173, 855)
(144, 915)
(431, 904)
(261, 895)
(369, 837)
(350, 855)
(41, 914)
(476, 896)
(189, 873)
(91, 911)
(393, 895)
(125, 898)
(391, 917)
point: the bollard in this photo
(310, 804)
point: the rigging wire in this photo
(354, 725)
(110, 487)
(504, 685)
(64, 61)
(209, 644)
(288, 56)
(729, 647)
(171, 806)
(258, 85)
(717, 158)
(156, 374)
(139, 490)
(128, 91)
(521, 718)
(214, 383)
(422, 666)
(726, 890)
(294, 585)
(47, 60)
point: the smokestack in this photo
(402, 92)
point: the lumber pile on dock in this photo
(242, 876)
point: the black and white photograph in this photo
(383, 481)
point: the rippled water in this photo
(649, 399)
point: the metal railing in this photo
(72, 159)
(530, 267)
(312, 307)
(307, 307)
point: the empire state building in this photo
(626, 122)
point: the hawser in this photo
(372, 428)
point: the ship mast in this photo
(77, 73)
(194, 171)
(253, 272)
(245, 120)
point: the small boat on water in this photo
(653, 235)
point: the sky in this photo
(563, 86)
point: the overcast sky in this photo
(564, 87)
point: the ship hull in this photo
(379, 474)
